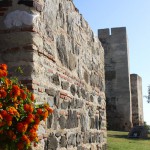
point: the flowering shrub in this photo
(19, 115)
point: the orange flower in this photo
(13, 111)
(3, 73)
(11, 135)
(3, 66)
(39, 111)
(1, 105)
(31, 109)
(15, 91)
(20, 145)
(1, 117)
(2, 124)
(49, 109)
(30, 118)
(32, 134)
(4, 113)
(3, 93)
(8, 117)
(37, 119)
(28, 108)
(45, 115)
(22, 127)
(9, 123)
(23, 95)
(32, 97)
(35, 127)
(24, 138)
(16, 105)
(7, 82)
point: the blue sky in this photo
(135, 16)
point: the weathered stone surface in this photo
(52, 142)
(65, 85)
(117, 77)
(72, 61)
(86, 137)
(99, 100)
(92, 123)
(55, 79)
(137, 100)
(91, 112)
(84, 122)
(73, 89)
(61, 49)
(79, 103)
(55, 120)
(91, 98)
(56, 99)
(78, 92)
(72, 120)
(79, 138)
(86, 76)
(62, 122)
(50, 91)
(59, 53)
(83, 93)
(49, 121)
(63, 141)
(72, 139)
(64, 105)
(94, 79)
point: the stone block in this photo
(55, 79)
(64, 85)
(63, 141)
(62, 122)
(52, 142)
(73, 89)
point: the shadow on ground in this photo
(126, 137)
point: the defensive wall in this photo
(63, 64)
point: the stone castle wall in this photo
(119, 109)
(63, 64)
(137, 100)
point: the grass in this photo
(119, 141)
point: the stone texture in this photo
(65, 85)
(52, 142)
(72, 120)
(117, 78)
(61, 48)
(64, 66)
(72, 61)
(55, 79)
(50, 91)
(137, 100)
(62, 122)
(63, 141)
(73, 89)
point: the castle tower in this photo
(137, 100)
(117, 78)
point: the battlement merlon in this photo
(103, 33)
(116, 35)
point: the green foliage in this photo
(147, 127)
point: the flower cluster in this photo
(19, 115)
